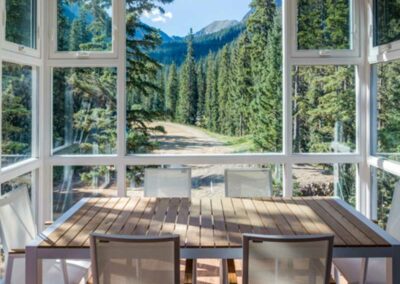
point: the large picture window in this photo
(20, 23)
(18, 91)
(84, 111)
(84, 25)
(324, 109)
(386, 21)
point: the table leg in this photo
(33, 270)
(223, 271)
(393, 267)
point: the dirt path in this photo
(183, 139)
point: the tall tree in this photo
(211, 94)
(201, 91)
(172, 91)
(187, 103)
(224, 78)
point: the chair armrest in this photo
(232, 277)
(188, 271)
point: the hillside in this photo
(217, 26)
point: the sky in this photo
(181, 15)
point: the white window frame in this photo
(18, 48)
(356, 5)
(81, 55)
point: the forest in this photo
(228, 83)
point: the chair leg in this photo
(190, 271)
(228, 272)
(64, 268)
(9, 269)
(223, 271)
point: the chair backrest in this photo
(287, 259)
(16, 219)
(248, 183)
(393, 224)
(134, 260)
(168, 182)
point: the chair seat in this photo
(52, 272)
(350, 268)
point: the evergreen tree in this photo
(79, 34)
(224, 78)
(201, 91)
(187, 103)
(172, 91)
(211, 94)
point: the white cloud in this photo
(156, 16)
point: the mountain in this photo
(217, 26)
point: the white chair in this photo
(287, 259)
(135, 260)
(248, 183)
(17, 229)
(169, 182)
(372, 270)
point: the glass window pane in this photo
(324, 109)
(324, 24)
(325, 180)
(207, 180)
(213, 89)
(84, 111)
(21, 22)
(23, 181)
(84, 25)
(387, 109)
(17, 93)
(386, 183)
(387, 21)
(72, 183)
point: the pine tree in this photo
(172, 91)
(201, 90)
(267, 107)
(211, 94)
(224, 77)
(187, 103)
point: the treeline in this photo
(235, 91)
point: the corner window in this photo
(386, 21)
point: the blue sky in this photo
(181, 15)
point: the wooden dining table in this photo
(211, 228)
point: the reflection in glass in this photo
(21, 22)
(387, 21)
(17, 92)
(385, 183)
(387, 108)
(325, 180)
(84, 111)
(323, 24)
(324, 109)
(24, 181)
(72, 183)
(84, 25)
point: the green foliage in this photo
(172, 91)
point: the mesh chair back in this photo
(17, 222)
(287, 260)
(393, 224)
(167, 182)
(135, 260)
(248, 183)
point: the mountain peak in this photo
(217, 26)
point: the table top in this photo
(212, 222)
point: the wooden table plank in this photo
(332, 223)
(256, 222)
(266, 218)
(123, 218)
(322, 227)
(207, 232)
(234, 236)
(159, 217)
(280, 221)
(135, 217)
(182, 220)
(110, 219)
(292, 220)
(193, 232)
(145, 220)
(353, 230)
(241, 217)
(81, 223)
(171, 217)
(51, 239)
(357, 223)
(94, 223)
(220, 233)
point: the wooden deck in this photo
(213, 223)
